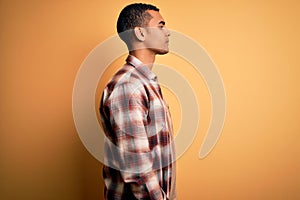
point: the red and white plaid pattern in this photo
(139, 149)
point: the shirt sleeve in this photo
(128, 105)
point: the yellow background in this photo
(255, 45)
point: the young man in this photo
(139, 148)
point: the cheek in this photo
(158, 36)
(156, 33)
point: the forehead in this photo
(156, 18)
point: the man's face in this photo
(157, 34)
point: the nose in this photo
(167, 32)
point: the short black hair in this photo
(132, 16)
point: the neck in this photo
(145, 55)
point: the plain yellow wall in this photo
(255, 45)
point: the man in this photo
(139, 148)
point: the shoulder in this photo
(127, 75)
(127, 83)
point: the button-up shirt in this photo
(139, 148)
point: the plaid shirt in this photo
(139, 148)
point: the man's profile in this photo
(139, 150)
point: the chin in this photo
(162, 51)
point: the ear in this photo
(140, 33)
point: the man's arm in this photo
(129, 107)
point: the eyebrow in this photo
(162, 22)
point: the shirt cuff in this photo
(154, 189)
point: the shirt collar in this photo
(132, 60)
